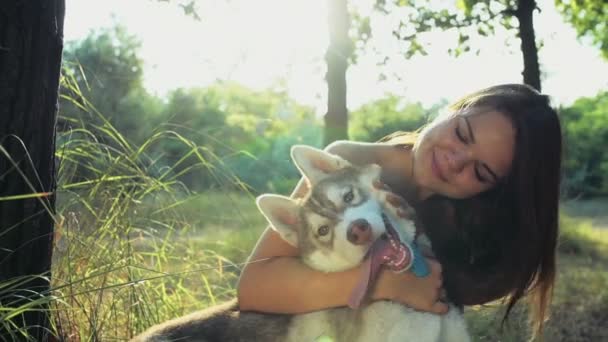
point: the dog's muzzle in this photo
(387, 250)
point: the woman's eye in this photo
(323, 230)
(348, 197)
(460, 136)
(479, 177)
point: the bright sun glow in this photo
(274, 43)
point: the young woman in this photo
(484, 179)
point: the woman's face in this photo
(463, 155)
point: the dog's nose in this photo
(359, 232)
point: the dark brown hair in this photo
(502, 243)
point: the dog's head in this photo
(335, 225)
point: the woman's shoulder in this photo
(361, 153)
(392, 156)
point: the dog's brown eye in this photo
(348, 197)
(323, 230)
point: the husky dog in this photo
(348, 218)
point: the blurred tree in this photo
(585, 126)
(468, 17)
(234, 114)
(337, 57)
(232, 124)
(30, 59)
(109, 74)
(210, 124)
(589, 18)
(382, 117)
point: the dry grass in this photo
(580, 306)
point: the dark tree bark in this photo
(524, 15)
(31, 43)
(337, 55)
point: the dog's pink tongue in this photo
(391, 252)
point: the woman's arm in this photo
(275, 280)
(283, 284)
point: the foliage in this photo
(124, 256)
(188, 6)
(271, 169)
(16, 303)
(379, 118)
(585, 127)
(248, 131)
(469, 18)
(589, 18)
(412, 21)
(106, 71)
(247, 128)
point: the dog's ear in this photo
(283, 215)
(316, 164)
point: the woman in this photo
(484, 179)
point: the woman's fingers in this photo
(420, 293)
(435, 266)
(436, 272)
(439, 308)
(443, 296)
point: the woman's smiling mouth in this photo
(436, 169)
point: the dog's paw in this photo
(397, 204)
(379, 185)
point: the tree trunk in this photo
(524, 14)
(31, 43)
(337, 55)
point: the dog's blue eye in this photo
(348, 197)
(323, 230)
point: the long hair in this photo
(502, 243)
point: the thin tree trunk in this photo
(337, 55)
(31, 43)
(524, 14)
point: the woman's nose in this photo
(457, 159)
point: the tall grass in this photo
(132, 246)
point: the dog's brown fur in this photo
(219, 323)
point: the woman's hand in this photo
(420, 293)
